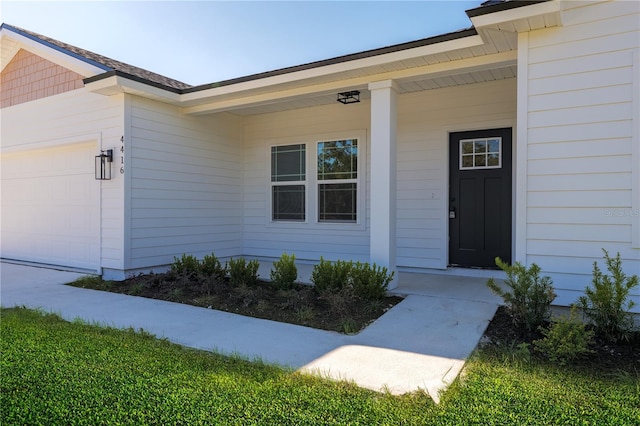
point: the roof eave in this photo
(517, 16)
(499, 7)
(340, 59)
(116, 82)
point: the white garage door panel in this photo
(50, 206)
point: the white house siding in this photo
(185, 184)
(424, 120)
(68, 122)
(580, 136)
(305, 240)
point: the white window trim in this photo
(460, 155)
(311, 221)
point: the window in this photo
(288, 182)
(337, 180)
(481, 153)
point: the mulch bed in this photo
(607, 356)
(302, 305)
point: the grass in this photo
(56, 372)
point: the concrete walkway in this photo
(421, 343)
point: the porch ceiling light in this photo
(103, 165)
(349, 97)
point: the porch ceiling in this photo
(408, 86)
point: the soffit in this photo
(407, 86)
(476, 63)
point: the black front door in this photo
(479, 197)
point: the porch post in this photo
(383, 176)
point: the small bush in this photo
(370, 282)
(186, 264)
(331, 277)
(349, 326)
(284, 273)
(242, 272)
(566, 339)
(529, 296)
(212, 266)
(607, 304)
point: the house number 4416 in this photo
(122, 155)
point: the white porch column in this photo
(383, 175)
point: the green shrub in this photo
(242, 272)
(370, 282)
(331, 277)
(529, 296)
(212, 266)
(187, 264)
(606, 305)
(349, 326)
(284, 273)
(566, 339)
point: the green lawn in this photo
(55, 372)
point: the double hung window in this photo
(337, 180)
(288, 182)
(330, 192)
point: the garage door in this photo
(51, 206)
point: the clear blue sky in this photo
(201, 42)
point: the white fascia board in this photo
(431, 49)
(59, 57)
(519, 13)
(8, 57)
(117, 84)
(477, 63)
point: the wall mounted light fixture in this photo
(103, 165)
(349, 97)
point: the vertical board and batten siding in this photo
(67, 120)
(424, 121)
(580, 162)
(307, 241)
(186, 184)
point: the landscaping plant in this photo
(607, 303)
(566, 339)
(528, 297)
(211, 266)
(284, 273)
(242, 272)
(331, 276)
(187, 264)
(370, 282)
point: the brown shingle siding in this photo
(29, 77)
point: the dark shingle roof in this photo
(113, 67)
(491, 6)
(100, 61)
